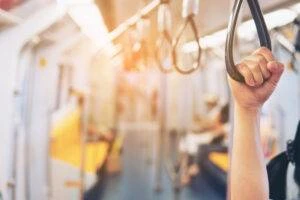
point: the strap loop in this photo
(163, 51)
(190, 9)
(196, 62)
(261, 28)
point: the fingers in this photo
(266, 53)
(276, 69)
(256, 68)
(246, 73)
(262, 61)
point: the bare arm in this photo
(248, 179)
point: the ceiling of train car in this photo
(213, 13)
(63, 28)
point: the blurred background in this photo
(128, 99)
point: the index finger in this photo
(266, 53)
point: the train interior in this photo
(129, 99)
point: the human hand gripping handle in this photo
(248, 175)
(261, 73)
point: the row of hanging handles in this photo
(167, 47)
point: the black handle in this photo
(264, 37)
(180, 69)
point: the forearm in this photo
(249, 180)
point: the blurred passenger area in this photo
(88, 111)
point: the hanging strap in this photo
(264, 37)
(164, 42)
(190, 9)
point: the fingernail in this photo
(251, 82)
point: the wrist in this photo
(246, 117)
(251, 111)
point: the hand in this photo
(261, 73)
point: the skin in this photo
(248, 175)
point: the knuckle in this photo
(255, 66)
(263, 66)
(247, 77)
(246, 74)
(245, 60)
(242, 67)
(261, 60)
(264, 51)
(244, 71)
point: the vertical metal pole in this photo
(16, 95)
(16, 127)
(116, 113)
(16, 123)
(162, 130)
(12, 182)
(59, 86)
(84, 129)
(49, 165)
(27, 119)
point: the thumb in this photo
(276, 69)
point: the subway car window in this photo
(150, 99)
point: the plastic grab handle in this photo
(264, 37)
(190, 9)
(196, 62)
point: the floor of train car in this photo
(137, 178)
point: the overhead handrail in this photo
(263, 35)
(163, 52)
(190, 9)
(122, 28)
